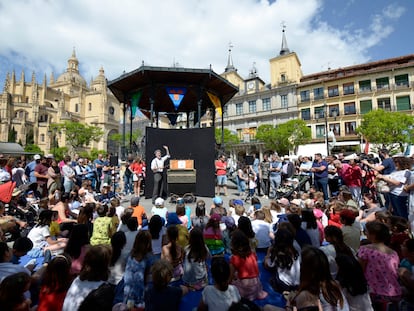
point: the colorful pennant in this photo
(176, 94)
(135, 98)
(216, 102)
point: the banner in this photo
(176, 95)
(135, 98)
(216, 102)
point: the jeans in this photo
(321, 184)
(399, 205)
(274, 181)
(241, 185)
(68, 185)
(128, 184)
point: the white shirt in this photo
(38, 236)
(220, 301)
(262, 230)
(157, 165)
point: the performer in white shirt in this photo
(157, 167)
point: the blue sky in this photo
(39, 35)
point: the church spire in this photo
(284, 48)
(73, 63)
(230, 66)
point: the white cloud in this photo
(119, 35)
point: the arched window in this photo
(90, 106)
(111, 110)
(42, 138)
(76, 107)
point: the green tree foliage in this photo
(229, 137)
(117, 137)
(33, 148)
(285, 137)
(12, 136)
(78, 135)
(60, 152)
(387, 128)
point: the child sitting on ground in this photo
(161, 296)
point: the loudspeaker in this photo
(113, 161)
(249, 160)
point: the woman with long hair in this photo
(77, 246)
(195, 255)
(245, 225)
(138, 268)
(284, 261)
(380, 266)
(317, 290)
(200, 219)
(55, 284)
(244, 268)
(173, 252)
(310, 225)
(94, 273)
(12, 289)
(138, 173)
(157, 230)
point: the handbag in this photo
(134, 177)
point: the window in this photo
(76, 107)
(283, 77)
(365, 86)
(401, 80)
(240, 134)
(349, 108)
(304, 96)
(335, 128)
(284, 101)
(384, 104)
(349, 88)
(320, 131)
(382, 83)
(306, 114)
(318, 93)
(90, 106)
(42, 138)
(333, 111)
(266, 104)
(350, 128)
(333, 91)
(252, 133)
(319, 112)
(225, 111)
(239, 109)
(252, 106)
(403, 103)
(365, 106)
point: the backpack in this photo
(100, 299)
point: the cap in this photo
(135, 201)
(217, 201)
(347, 214)
(238, 202)
(105, 185)
(37, 157)
(228, 221)
(351, 157)
(159, 201)
(284, 201)
(296, 202)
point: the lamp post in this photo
(325, 107)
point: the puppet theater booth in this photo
(175, 92)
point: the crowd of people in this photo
(341, 241)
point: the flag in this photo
(176, 95)
(216, 102)
(135, 98)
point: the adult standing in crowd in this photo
(351, 176)
(256, 170)
(99, 164)
(40, 173)
(221, 173)
(320, 175)
(30, 167)
(264, 174)
(157, 167)
(275, 173)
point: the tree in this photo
(117, 137)
(78, 135)
(230, 138)
(33, 149)
(285, 137)
(387, 128)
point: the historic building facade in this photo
(29, 108)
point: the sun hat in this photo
(159, 201)
(217, 201)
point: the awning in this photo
(12, 149)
